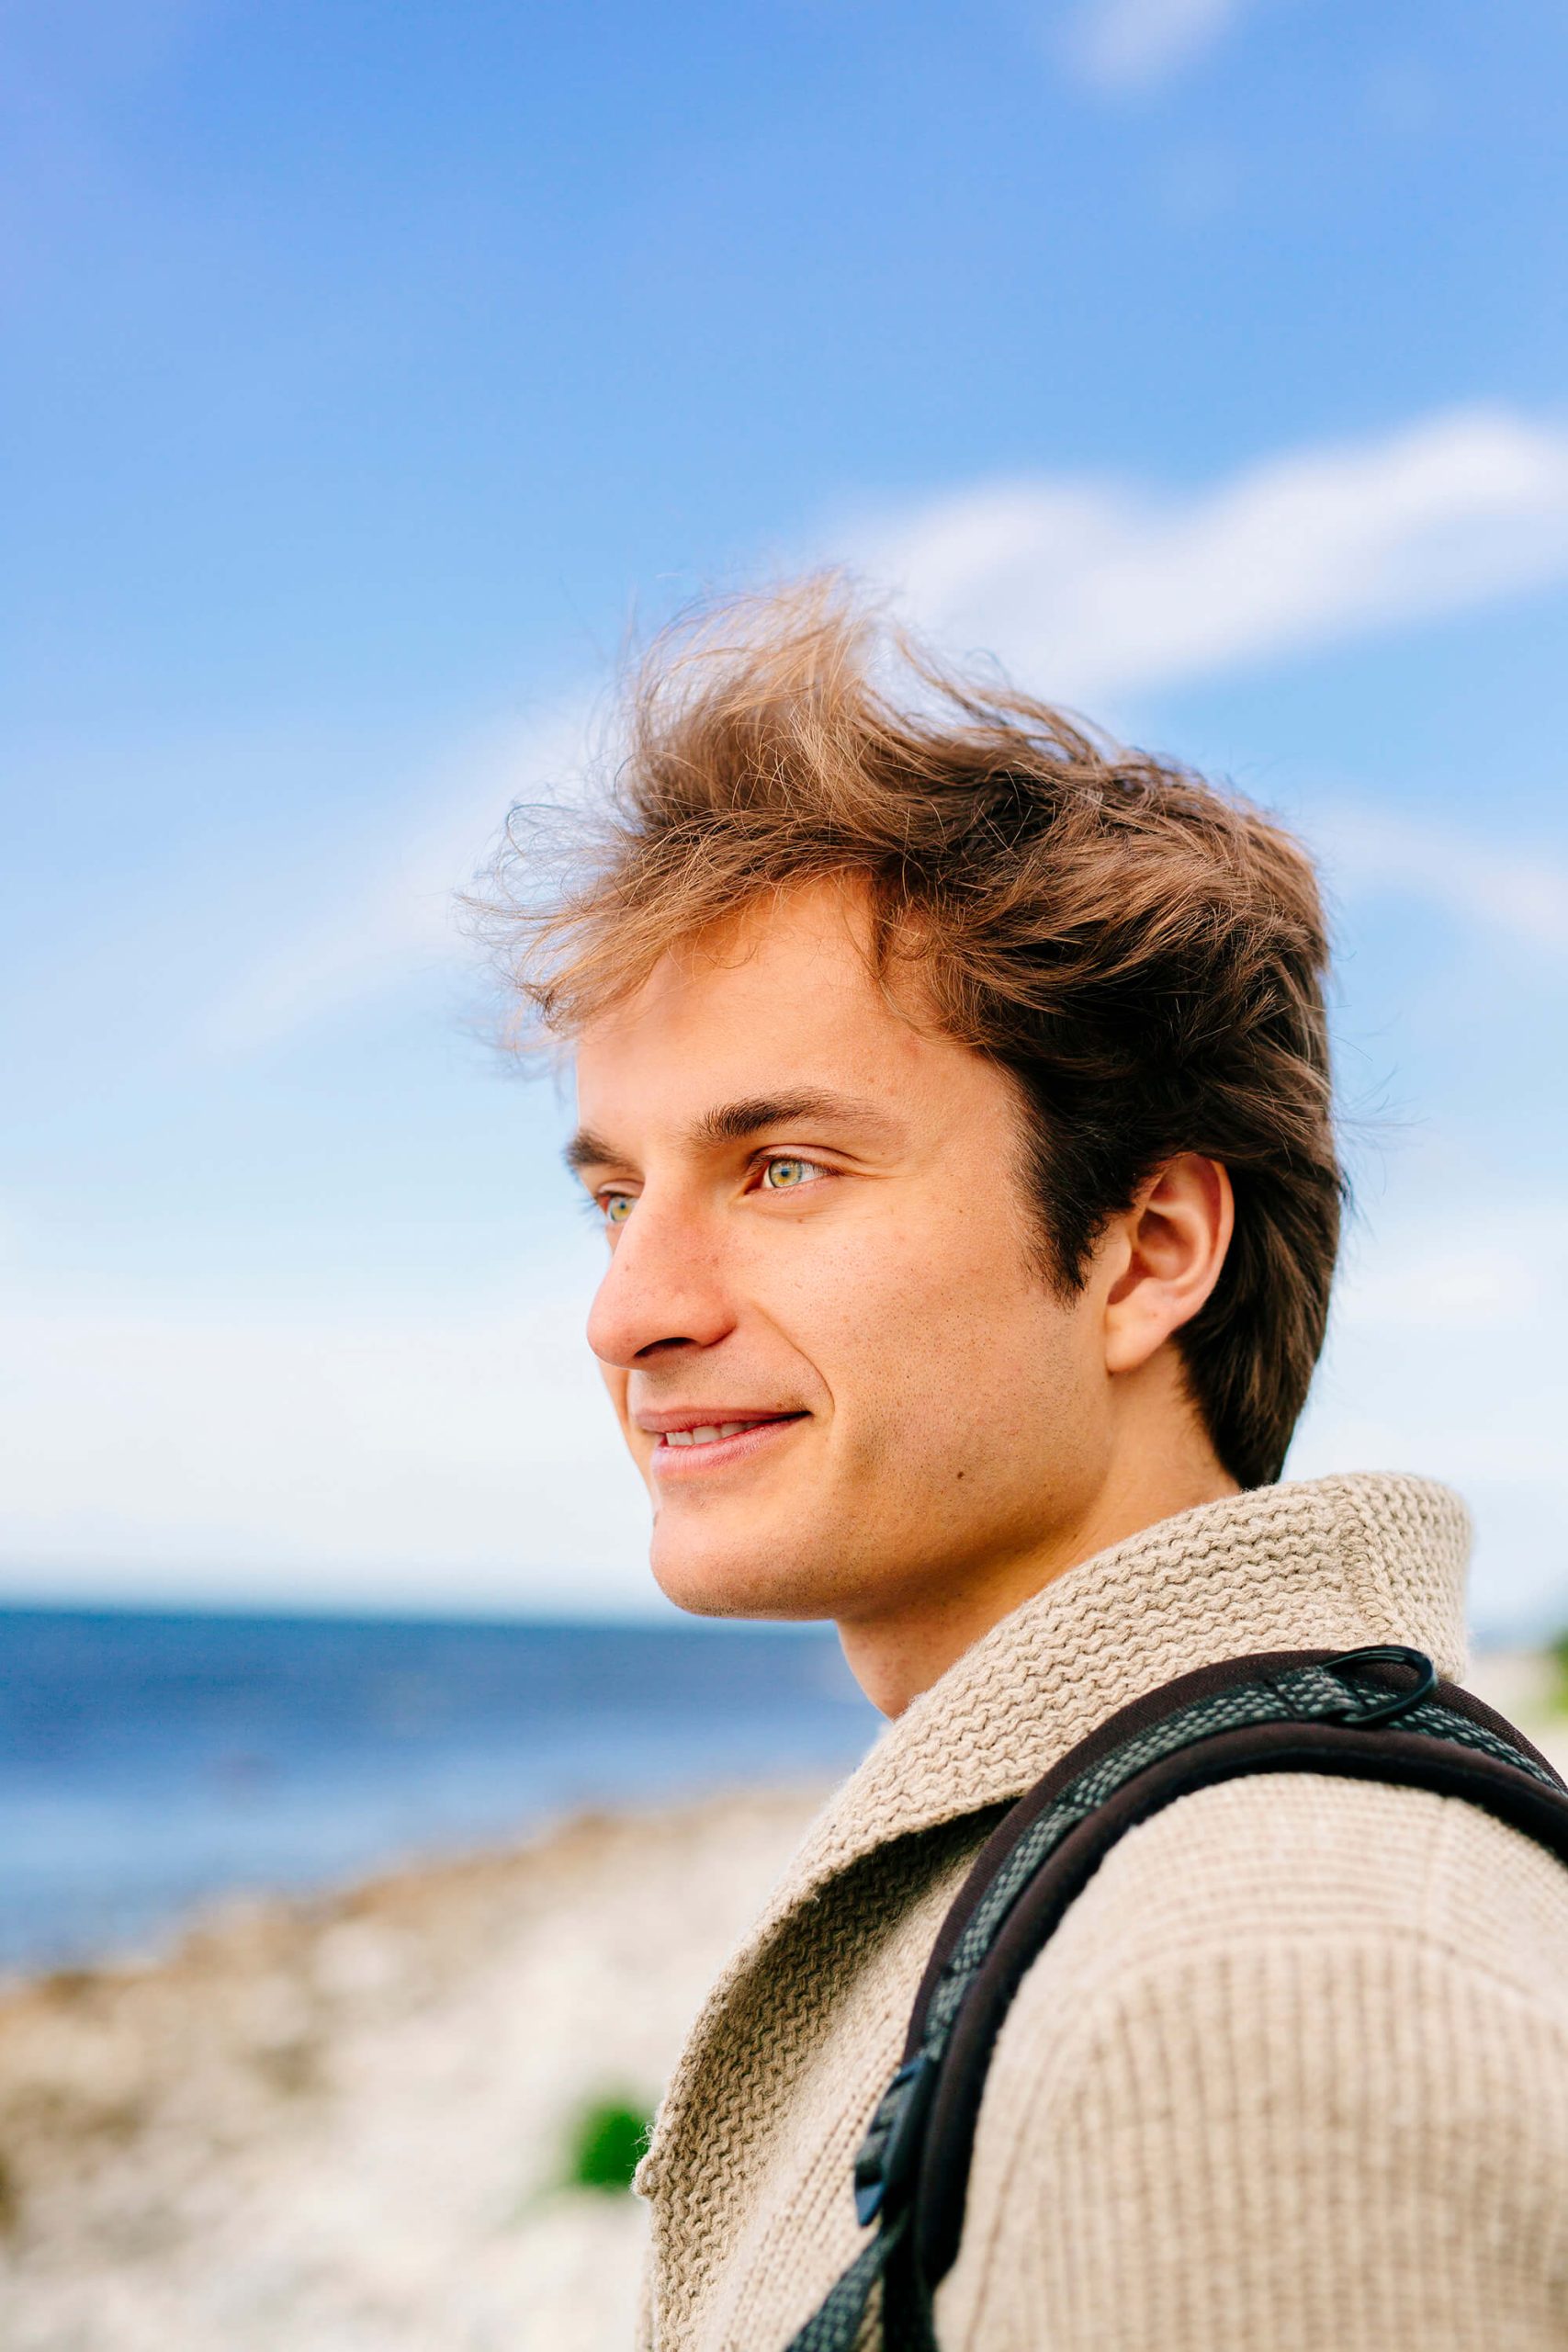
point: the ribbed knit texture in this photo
(1294, 2070)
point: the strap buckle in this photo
(1387, 1708)
(887, 2153)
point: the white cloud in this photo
(1445, 1357)
(403, 917)
(1092, 589)
(1121, 45)
(1514, 892)
(1518, 893)
(463, 1454)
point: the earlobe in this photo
(1174, 1238)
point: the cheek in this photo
(920, 1326)
(840, 1303)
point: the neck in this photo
(896, 1656)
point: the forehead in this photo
(784, 998)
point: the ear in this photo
(1165, 1256)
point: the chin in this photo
(713, 1580)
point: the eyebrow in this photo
(738, 1122)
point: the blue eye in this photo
(788, 1175)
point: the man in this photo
(954, 1095)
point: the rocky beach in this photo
(347, 2124)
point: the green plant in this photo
(607, 2144)
(1557, 1651)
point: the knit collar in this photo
(1327, 1563)
(1322, 1563)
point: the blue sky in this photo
(370, 372)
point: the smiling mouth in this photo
(712, 1434)
(718, 1441)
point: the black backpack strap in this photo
(1379, 1714)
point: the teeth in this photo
(708, 1436)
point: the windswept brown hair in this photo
(1143, 953)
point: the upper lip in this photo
(710, 1416)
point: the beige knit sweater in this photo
(1293, 2072)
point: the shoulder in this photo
(1296, 2029)
(1308, 1861)
(1302, 1886)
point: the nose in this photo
(663, 1288)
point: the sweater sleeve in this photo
(1295, 2074)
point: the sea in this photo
(156, 1763)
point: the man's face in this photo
(821, 1250)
